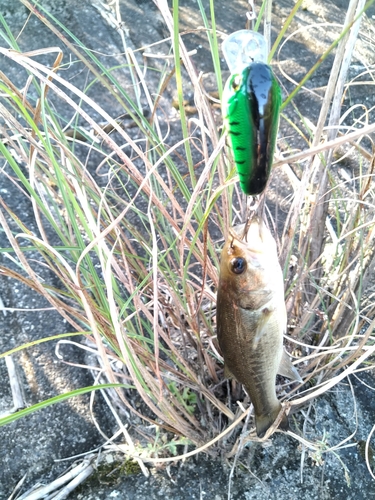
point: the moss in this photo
(109, 474)
(361, 445)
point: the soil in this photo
(35, 445)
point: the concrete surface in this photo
(31, 445)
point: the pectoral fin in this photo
(262, 325)
(286, 369)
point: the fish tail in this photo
(264, 422)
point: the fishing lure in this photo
(251, 109)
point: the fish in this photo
(251, 319)
(251, 111)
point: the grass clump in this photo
(131, 213)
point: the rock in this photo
(279, 469)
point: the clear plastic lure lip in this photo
(242, 48)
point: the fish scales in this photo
(251, 319)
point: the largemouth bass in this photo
(251, 319)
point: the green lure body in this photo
(251, 109)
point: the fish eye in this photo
(238, 265)
(236, 82)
